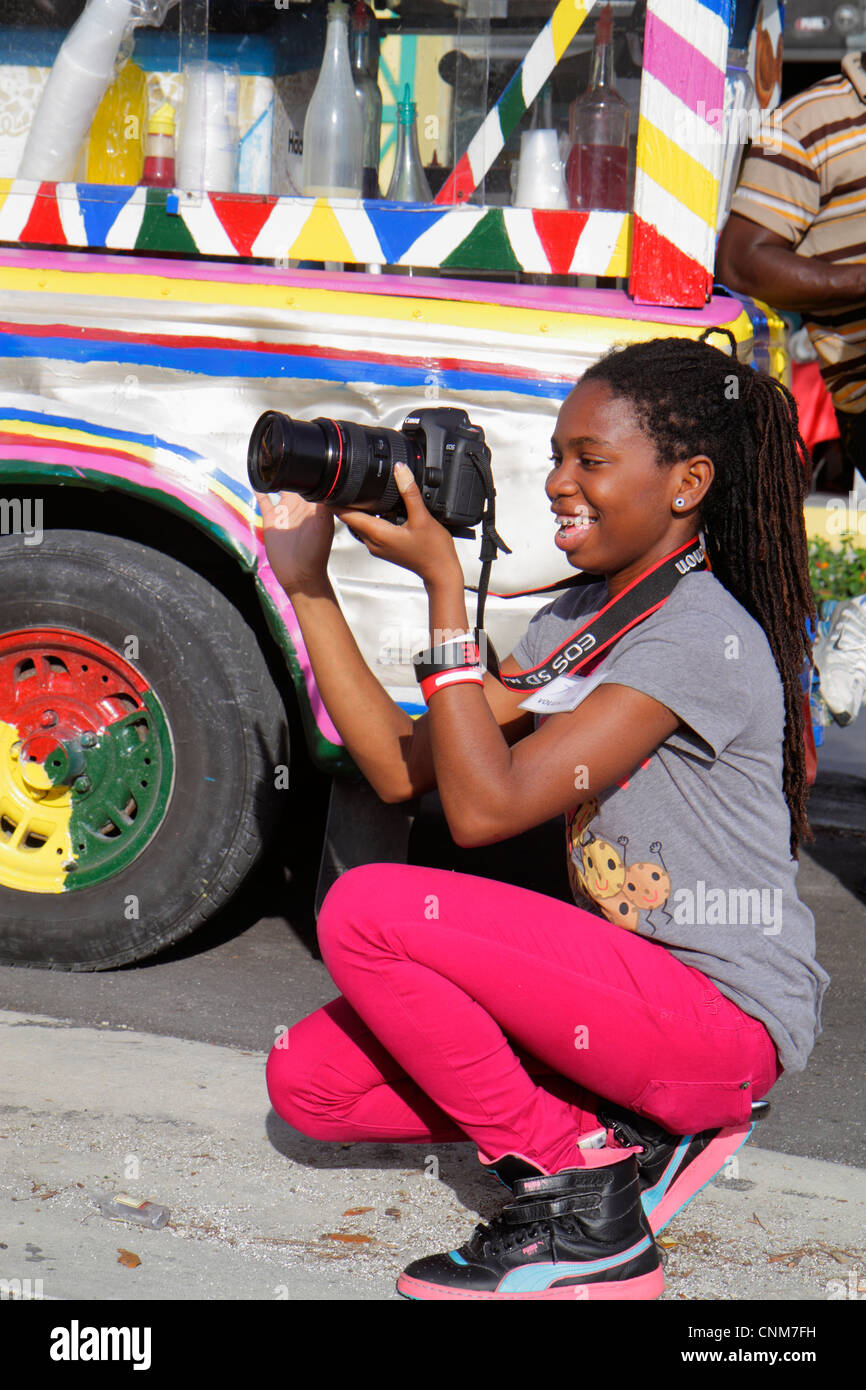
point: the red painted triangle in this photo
(559, 233)
(43, 225)
(242, 216)
(663, 274)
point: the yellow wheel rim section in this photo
(34, 824)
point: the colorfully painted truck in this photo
(146, 651)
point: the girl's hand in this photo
(421, 545)
(298, 537)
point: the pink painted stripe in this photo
(684, 70)
(221, 516)
(553, 299)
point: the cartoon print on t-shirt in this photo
(575, 829)
(648, 886)
(619, 909)
(598, 871)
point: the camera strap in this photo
(643, 596)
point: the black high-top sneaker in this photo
(673, 1168)
(580, 1234)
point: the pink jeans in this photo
(475, 1010)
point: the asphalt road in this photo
(253, 970)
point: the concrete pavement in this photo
(258, 1212)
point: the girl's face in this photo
(613, 500)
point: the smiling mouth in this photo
(578, 524)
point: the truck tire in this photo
(140, 733)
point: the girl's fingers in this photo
(409, 491)
(365, 526)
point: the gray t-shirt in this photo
(692, 849)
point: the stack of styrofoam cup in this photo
(208, 146)
(82, 70)
(540, 180)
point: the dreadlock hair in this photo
(691, 398)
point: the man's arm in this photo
(755, 261)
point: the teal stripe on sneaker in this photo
(534, 1278)
(651, 1197)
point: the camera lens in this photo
(332, 461)
(287, 455)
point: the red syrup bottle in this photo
(597, 168)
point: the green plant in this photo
(837, 573)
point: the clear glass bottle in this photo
(408, 181)
(333, 131)
(597, 170)
(364, 48)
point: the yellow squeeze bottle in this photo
(115, 148)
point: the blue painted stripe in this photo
(37, 417)
(409, 708)
(457, 1258)
(534, 1278)
(240, 490)
(722, 8)
(222, 362)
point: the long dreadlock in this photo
(692, 398)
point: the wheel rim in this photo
(86, 761)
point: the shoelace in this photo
(498, 1237)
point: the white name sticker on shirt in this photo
(562, 693)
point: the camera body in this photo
(452, 486)
(347, 465)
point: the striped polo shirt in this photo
(805, 179)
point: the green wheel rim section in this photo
(86, 761)
(131, 771)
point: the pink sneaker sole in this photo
(644, 1287)
(670, 1194)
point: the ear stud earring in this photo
(680, 502)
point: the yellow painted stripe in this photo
(678, 173)
(565, 22)
(246, 510)
(321, 238)
(340, 303)
(59, 432)
(432, 314)
(142, 451)
(621, 259)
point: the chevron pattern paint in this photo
(119, 218)
(679, 150)
(489, 140)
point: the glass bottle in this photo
(333, 132)
(364, 47)
(597, 170)
(408, 181)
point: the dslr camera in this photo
(347, 465)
